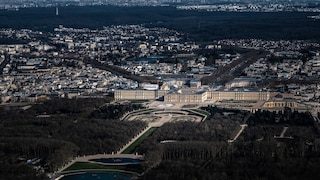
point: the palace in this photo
(190, 95)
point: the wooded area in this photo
(199, 25)
(201, 150)
(55, 131)
(52, 132)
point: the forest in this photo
(54, 131)
(201, 151)
(275, 145)
(199, 25)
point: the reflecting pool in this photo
(96, 175)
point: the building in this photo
(186, 96)
(280, 104)
(195, 84)
(191, 95)
(151, 87)
(238, 95)
(241, 82)
(138, 94)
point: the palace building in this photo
(190, 95)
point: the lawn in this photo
(135, 144)
(200, 112)
(86, 165)
(205, 113)
(78, 166)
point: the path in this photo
(283, 132)
(242, 127)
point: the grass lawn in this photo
(85, 165)
(199, 112)
(137, 168)
(133, 146)
(138, 112)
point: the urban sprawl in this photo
(133, 62)
(208, 5)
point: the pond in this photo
(96, 175)
(118, 160)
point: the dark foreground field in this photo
(199, 25)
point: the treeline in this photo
(57, 130)
(78, 108)
(198, 150)
(254, 160)
(115, 111)
(52, 152)
(285, 117)
(10, 171)
(199, 25)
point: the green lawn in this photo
(137, 168)
(85, 165)
(135, 144)
(138, 112)
(199, 112)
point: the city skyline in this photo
(8, 4)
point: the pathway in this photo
(242, 127)
(283, 132)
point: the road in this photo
(235, 68)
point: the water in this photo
(95, 175)
(118, 160)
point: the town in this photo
(207, 5)
(71, 62)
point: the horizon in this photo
(12, 4)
